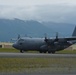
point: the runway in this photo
(38, 55)
(35, 55)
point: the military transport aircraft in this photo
(43, 45)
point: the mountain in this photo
(64, 29)
(11, 28)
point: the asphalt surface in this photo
(31, 55)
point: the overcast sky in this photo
(40, 10)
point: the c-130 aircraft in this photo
(44, 45)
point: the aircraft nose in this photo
(14, 45)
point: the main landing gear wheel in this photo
(49, 51)
(40, 51)
(53, 52)
(45, 51)
(21, 51)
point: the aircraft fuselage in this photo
(40, 45)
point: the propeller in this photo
(56, 36)
(15, 39)
(18, 36)
(46, 38)
(51, 41)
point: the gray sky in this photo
(40, 10)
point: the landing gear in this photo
(49, 51)
(53, 52)
(45, 51)
(21, 51)
(42, 51)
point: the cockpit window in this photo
(20, 41)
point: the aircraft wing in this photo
(70, 38)
(60, 39)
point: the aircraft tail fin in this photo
(74, 32)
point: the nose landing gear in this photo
(21, 51)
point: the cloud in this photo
(56, 13)
(36, 2)
(47, 10)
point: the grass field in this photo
(8, 50)
(29, 65)
(16, 51)
(41, 65)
